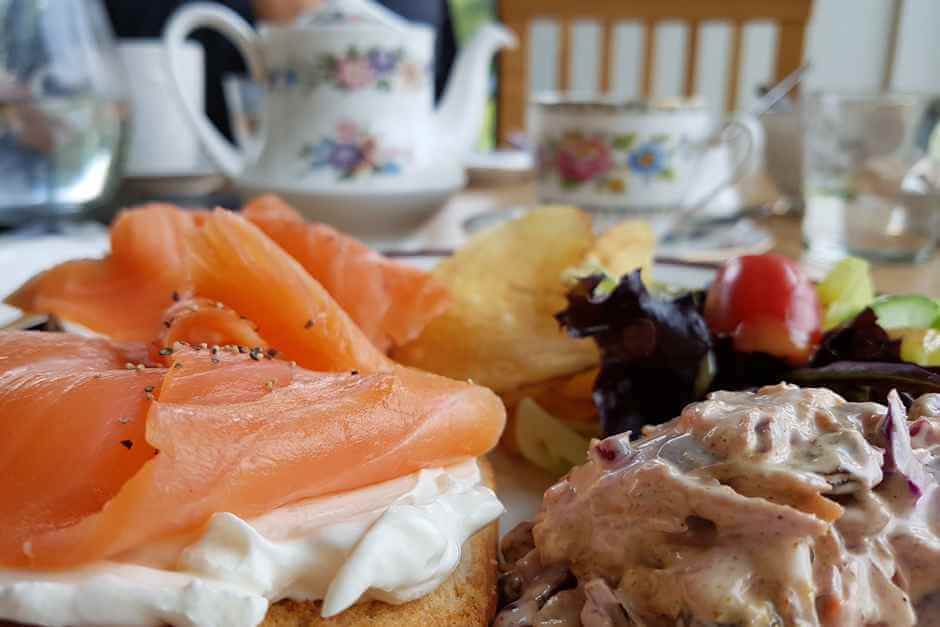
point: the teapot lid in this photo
(351, 13)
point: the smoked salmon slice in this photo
(391, 302)
(234, 434)
(232, 261)
(123, 295)
(72, 422)
(200, 320)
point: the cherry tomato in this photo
(767, 304)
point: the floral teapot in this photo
(348, 96)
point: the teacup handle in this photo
(228, 157)
(745, 129)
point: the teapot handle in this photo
(229, 158)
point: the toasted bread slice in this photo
(467, 598)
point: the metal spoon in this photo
(679, 224)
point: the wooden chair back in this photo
(790, 17)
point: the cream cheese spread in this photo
(394, 542)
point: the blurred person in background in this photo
(146, 19)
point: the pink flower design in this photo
(355, 73)
(351, 151)
(581, 158)
(347, 132)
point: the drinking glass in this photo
(868, 180)
(63, 108)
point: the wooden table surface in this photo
(921, 278)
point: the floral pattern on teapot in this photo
(609, 162)
(339, 13)
(352, 152)
(356, 70)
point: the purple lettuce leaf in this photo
(735, 370)
(652, 350)
(862, 339)
(868, 380)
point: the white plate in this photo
(23, 257)
(375, 211)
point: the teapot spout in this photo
(459, 117)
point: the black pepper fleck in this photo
(128, 444)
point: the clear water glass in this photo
(63, 109)
(868, 178)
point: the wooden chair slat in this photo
(691, 58)
(790, 16)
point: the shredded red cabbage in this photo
(899, 456)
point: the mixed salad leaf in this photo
(648, 345)
(860, 339)
(760, 323)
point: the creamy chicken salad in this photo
(783, 506)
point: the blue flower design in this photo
(350, 152)
(346, 157)
(648, 159)
(283, 78)
(382, 61)
(321, 152)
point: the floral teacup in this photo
(637, 156)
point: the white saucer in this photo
(198, 181)
(499, 167)
(380, 210)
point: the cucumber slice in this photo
(845, 291)
(546, 441)
(906, 312)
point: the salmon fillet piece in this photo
(72, 422)
(197, 320)
(232, 261)
(391, 302)
(123, 295)
(234, 434)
